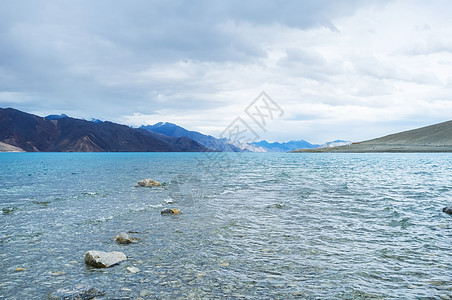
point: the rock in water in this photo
(448, 210)
(78, 292)
(133, 269)
(124, 238)
(171, 211)
(148, 183)
(101, 259)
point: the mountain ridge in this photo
(208, 141)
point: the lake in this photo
(253, 225)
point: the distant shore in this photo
(378, 148)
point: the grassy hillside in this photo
(433, 138)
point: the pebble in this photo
(444, 297)
(20, 269)
(144, 293)
(133, 269)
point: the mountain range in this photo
(21, 131)
(433, 138)
(31, 133)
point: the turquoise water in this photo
(256, 226)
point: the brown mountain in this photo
(433, 138)
(36, 134)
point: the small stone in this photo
(171, 211)
(276, 205)
(101, 259)
(444, 297)
(148, 183)
(124, 238)
(133, 270)
(20, 269)
(78, 292)
(144, 293)
(59, 273)
(126, 289)
(448, 210)
(225, 264)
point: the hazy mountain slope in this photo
(33, 133)
(284, 147)
(433, 138)
(173, 130)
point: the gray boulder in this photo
(448, 210)
(148, 183)
(78, 292)
(99, 259)
(124, 238)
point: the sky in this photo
(350, 70)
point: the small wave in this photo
(226, 192)
(91, 194)
(169, 200)
(99, 220)
(42, 203)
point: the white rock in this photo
(101, 259)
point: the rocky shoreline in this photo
(98, 259)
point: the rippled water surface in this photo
(258, 226)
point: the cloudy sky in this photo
(349, 70)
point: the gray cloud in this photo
(111, 59)
(85, 55)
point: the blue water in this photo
(253, 226)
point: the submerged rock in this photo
(171, 211)
(78, 292)
(101, 259)
(124, 238)
(448, 210)
(133, 269)
(148, 183)
(275, 205)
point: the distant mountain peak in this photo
(285, 146)
(97, 121)
(56, 117)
